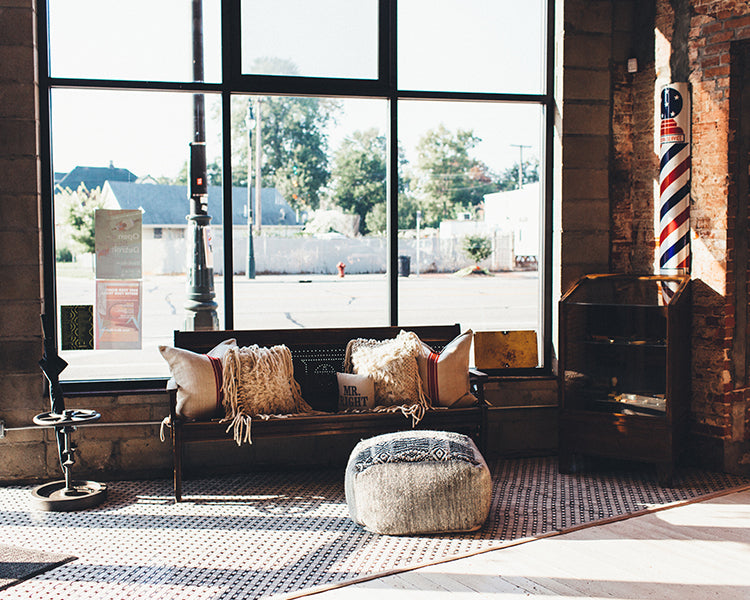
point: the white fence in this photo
(292, 255)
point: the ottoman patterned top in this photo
(414, 446)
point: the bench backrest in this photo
(317, 354)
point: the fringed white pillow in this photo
(259, 381)
(392, 364)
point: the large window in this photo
(247, 164)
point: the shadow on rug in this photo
(285, 533)
(18, 564)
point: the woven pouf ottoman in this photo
(418, 482)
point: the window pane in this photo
(322, 205)
(461, 184)
(136, 162)
(138, 39)
(471, 45)
(326, 38)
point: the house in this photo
(165, 208)
(94, 177)
(517, 211)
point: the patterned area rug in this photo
(17, 564)
(281, 534)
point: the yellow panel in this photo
(505, 349)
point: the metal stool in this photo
(68, 494)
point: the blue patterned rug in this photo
(284, 534)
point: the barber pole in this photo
(674, 180)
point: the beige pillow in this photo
(198, 379)
(355, 391)
(392, 364)
(445, 375)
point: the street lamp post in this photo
(250, 122)
(419, 222)
(258, 183)
(200, 307)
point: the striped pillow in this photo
(198, 378)
(445, 375)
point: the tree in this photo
(509, 179)
(81, 207)
(294, 142)
(358, 181)
(358, 177)
(377, 221)
(448, 179)
(477, 247)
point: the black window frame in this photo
(235, 82)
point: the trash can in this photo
(404, 266)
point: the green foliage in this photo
(407, 215)
(477, 247)
(509, 179)
(447, 178)
(358, 177)
(81, 207)
(64, 254)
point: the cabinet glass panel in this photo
(616, 351)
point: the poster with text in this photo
(118, 315)
(117, 241)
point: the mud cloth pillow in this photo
(197, 378)
(445, 374)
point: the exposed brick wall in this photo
(721, 399)
(719, 405)
(694, 40)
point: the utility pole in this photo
(200, 308)
(520, 163)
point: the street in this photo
(498, 302)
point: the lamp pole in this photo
(419, 222)
(258, 183)
(250, 122)
(200, 307)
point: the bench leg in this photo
(177, 460)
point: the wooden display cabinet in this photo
(624, 370)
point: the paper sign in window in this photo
(118, 315)
(118, 243)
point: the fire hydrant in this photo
(340, 267)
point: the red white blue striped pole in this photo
(674, 180)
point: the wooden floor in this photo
(695, 551)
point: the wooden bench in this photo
(317, 354)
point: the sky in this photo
(149, 133)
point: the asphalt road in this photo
(498, 302)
